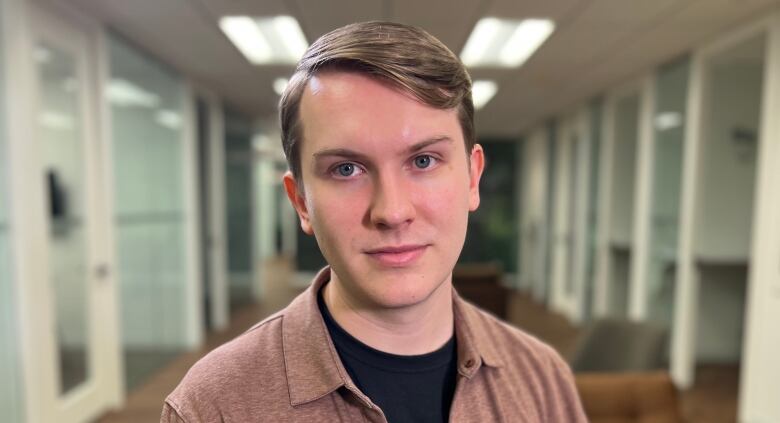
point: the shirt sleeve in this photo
(568, 407)
(170, 415)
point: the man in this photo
(377, 127)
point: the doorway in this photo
(72, 367)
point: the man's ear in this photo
(298, 201)
(476, 166)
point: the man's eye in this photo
(346, 170)
(423, 161)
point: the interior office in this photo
(139, 203)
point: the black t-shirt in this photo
(416, 388)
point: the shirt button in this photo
(469, 363)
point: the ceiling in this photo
(597, 43)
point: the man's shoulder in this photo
(230, 374)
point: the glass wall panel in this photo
(239, 197)
(595, 116)
(671, 91)
(146, 119)
(623, 176)
(10, 361)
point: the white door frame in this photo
(760, 368)
(69, 29)
(569, 237)
(603, 276)
(193, 310)
(562, 232)
(217, 224)
(643, 190)
(683, 357)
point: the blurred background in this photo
(630, 214)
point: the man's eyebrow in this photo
(347, 153)
(425, 143)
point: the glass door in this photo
(626, 133)
(77, 354)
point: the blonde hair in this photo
(406, 57)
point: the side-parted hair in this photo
(406, 57)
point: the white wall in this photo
(760, 383)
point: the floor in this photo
(140, 365)
(712, 400)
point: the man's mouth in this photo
(397, 256)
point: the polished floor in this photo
(712, 400)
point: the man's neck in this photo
(417, 329)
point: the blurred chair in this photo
(642, 397)
(620, 345)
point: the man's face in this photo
(386, 190)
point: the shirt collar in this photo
(311, 361)
(313, 366)
(475, 343)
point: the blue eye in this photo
(346, 169)
(423, 161)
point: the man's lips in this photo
(397, 256)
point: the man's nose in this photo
(392, 205)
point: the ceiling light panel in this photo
(482, 91)
(266, 40)
(505, 43)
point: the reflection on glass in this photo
(60, 134)
(624, 166)
(669, 128)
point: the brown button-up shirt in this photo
(286, 369)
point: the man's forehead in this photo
(343, 108)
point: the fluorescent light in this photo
(247, 37)
(482, 91)
(504, 42)
(665, 121)
(280, 84)
(268, 40)
(124, 93)
(292, 36)
(483, 35)
(528, 36)
(168, 118)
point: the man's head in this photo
(402, 56)
(374, 125)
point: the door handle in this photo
(102, 271)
